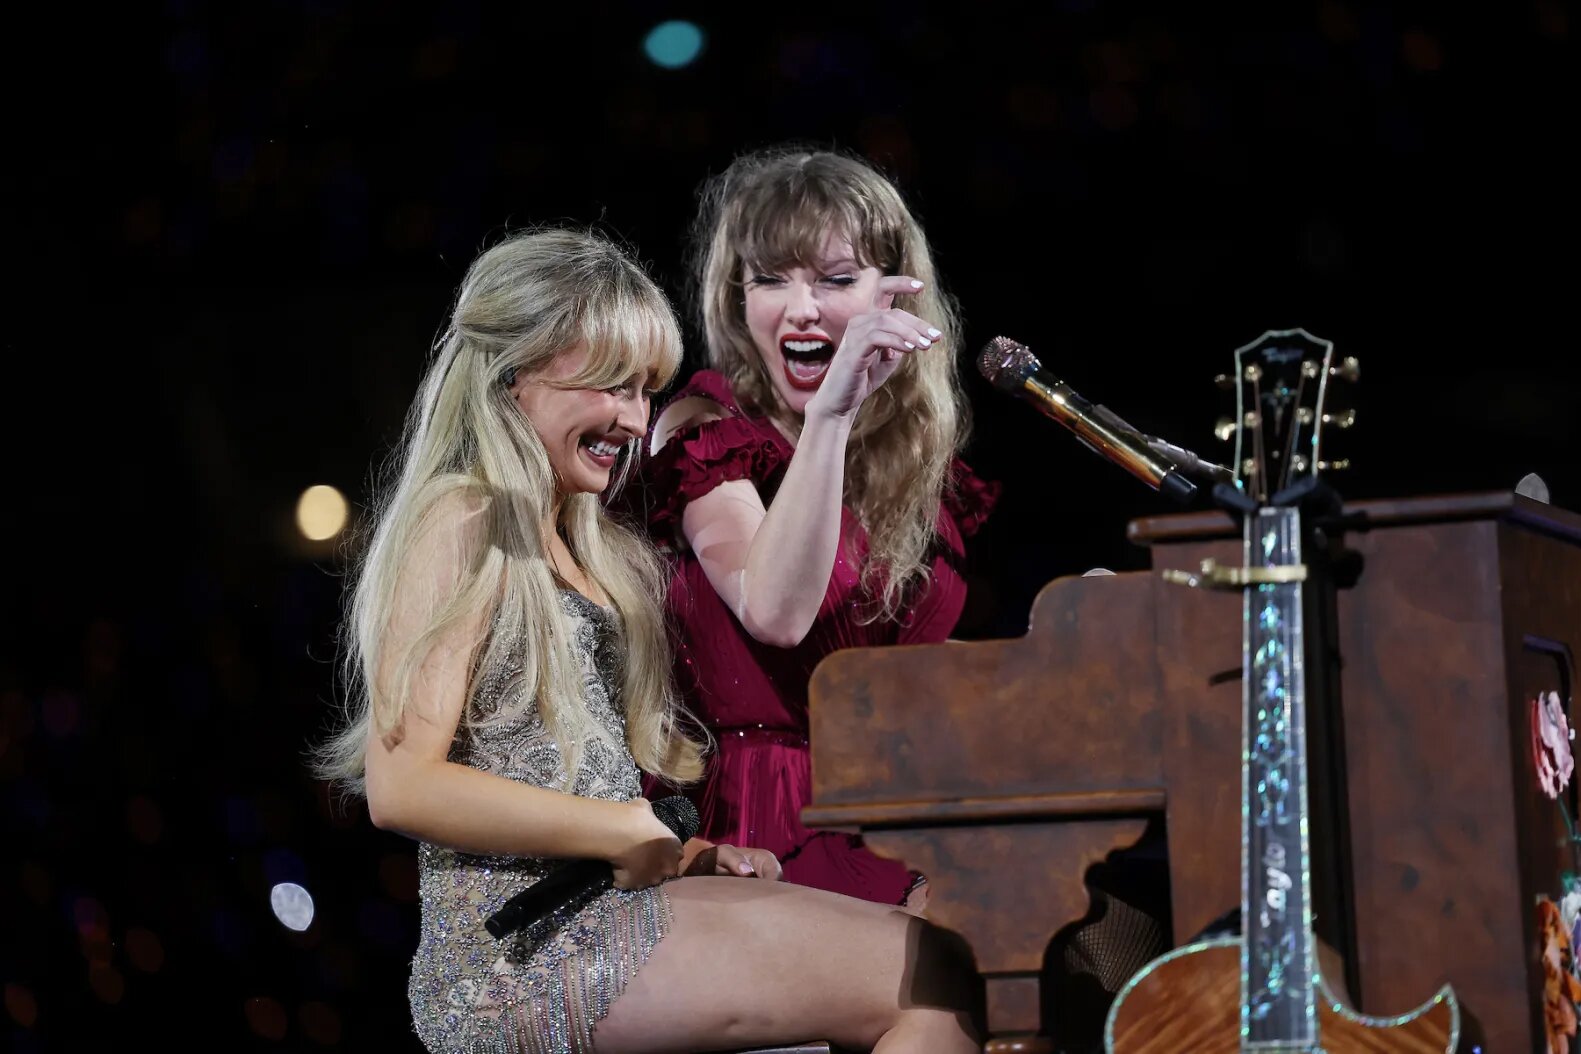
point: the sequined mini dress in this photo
(543, 989)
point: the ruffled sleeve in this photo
(702, 456)
(969, 500)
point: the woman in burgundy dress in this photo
(808, 484)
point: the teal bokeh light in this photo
(673, 44)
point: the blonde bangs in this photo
(629, 336)
(786, 222)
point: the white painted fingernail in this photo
(934, 333)
(925, 342)
(909, 344)
(916, 284)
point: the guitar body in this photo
(1189, 1002)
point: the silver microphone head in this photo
(1007, 363)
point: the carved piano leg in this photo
(1006, 889)
(1014, 1014)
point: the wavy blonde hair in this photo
(472, 475)
(773, 209)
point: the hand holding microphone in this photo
(657, 830)
(670, 822)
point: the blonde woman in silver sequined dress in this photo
(507, 640)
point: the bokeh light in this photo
(321, 512)
(321, 1023)
(673, 44)
(266, 1017)
(97, 949)
(107, 983)
(292, 905)
(21, 1005)
(91, 918)
(1422, 51)
(144, 950)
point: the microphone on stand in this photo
(580, 880)
(1189, 462)
(1010, 366)
(1185, 460)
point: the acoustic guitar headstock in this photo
(1282, 413)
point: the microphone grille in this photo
(679, 815)
(1006, 363)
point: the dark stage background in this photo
(240, 226)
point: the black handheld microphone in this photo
(582, 879)
(1012, 367)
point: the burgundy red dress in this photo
(753, 696)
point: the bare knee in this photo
(939, 989)
(941, 973)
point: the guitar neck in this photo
(1281, 383)
(1278, 1004)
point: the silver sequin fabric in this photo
(540, 990)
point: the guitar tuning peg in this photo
(1337, 465)
(1224, 429)
(1349, 369)
(1344, 419)
(1224, 381)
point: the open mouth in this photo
(806, 360)
(600, 450)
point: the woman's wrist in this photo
(619, 829)
(819, 419)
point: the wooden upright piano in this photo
(1005, 769)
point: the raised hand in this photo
(871, 349)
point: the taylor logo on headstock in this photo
(1265, 990)
(1281, 384)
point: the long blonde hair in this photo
(772, 209)
(469, 453)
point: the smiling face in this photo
(797, 314)
(582, 429)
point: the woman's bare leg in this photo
(750, 963)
